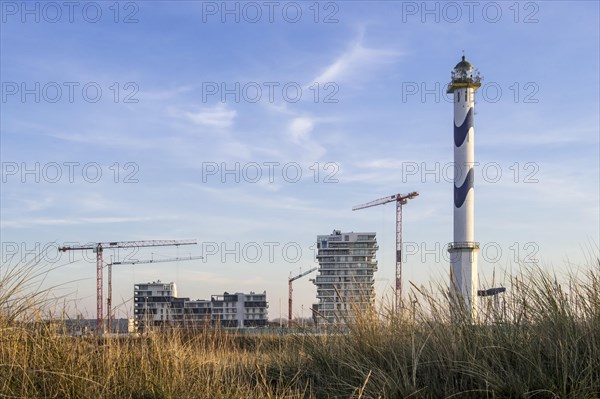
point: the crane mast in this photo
(400, 200)
(290, 281)
(99, 248)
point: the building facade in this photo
(152, 304)
(156, 305)
(240, 310)
(345, 280)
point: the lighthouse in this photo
(463, 250)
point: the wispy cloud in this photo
(356, 61)
(261, 199)
(101, 137)
(383, 163)
(72, 221)
(299, 131)
(576, 135)
(219, 279)
(168, 94)
(208, 278)
(216, 117)
(33, 205)
(219, 116)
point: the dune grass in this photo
(542, 340)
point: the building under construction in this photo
(156, 305)
(345, 281)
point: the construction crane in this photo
(133, 262)
(400, 200)
(99, 248)
(290, 280)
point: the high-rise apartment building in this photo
(345, 283)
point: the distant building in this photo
(152, 304)
(156, 304)
(80, 326)
(197, 312)
(346, 275)
(240, 310)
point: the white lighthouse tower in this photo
(463, 251)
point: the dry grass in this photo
(42, 363)
(543, 342)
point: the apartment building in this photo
(156, 305)
(153, 304)
(240, 310)
(345, 280)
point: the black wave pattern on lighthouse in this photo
(460, 135)
(461, 132)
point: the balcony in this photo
(454, 246)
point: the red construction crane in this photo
(400, 200)
(290, 280)
(133, 262)
(99, 248)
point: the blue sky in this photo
(377, 124)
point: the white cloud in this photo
(262, 199)
(383, 163)
(299, 131)
(101, 137)
(219, 116)
(355, 61)
(161, 95)
(33, 205)
(209, 278)
(72, 221)
(577, 135)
